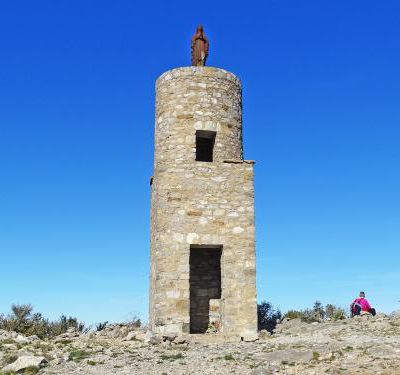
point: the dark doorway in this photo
(205, 285)
(205, 145)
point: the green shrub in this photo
(31, 370)
(78, 355)
(294, 314)
(267, 316)
(9, 358)
(100, 326)
(335, 312)
(23, 320)
(134, 322)
(317, 313)
(171, 357)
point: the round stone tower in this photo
(202, 208)
(197, 98)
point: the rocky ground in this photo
(363, 345)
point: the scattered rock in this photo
(296, 348)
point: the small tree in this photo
(267, 316)
(334, 312)
(318, 310)
(101, 326)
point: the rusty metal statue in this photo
(199, 47)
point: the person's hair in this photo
(362, 294)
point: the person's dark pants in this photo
(372, 311)
(357, 310)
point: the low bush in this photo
(335, 313)
(318, 313)
(78, 355)
(101, 326)
(23, 320)
(134, 321)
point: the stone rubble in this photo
(363, 345)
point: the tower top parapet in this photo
(204, 71)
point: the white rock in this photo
(173, 293)
(218, 178)
(237, 230)
(192, 238)
(178, 237)
(21, 339)
(23, 362)
(203, 221)
(153, 338)
(198, 125)
(219, 212)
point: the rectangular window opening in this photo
(205, 288)
(205, 145)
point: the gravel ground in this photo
(363, 345)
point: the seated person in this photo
(361, 306)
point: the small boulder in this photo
(141, 336)
(180, 340)
(20, 339)
(23, 362)
(130, 336)
(10, 347)
(155, 340)
(250, 337)
(152, 338)
(169, 336)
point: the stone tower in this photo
(202, 208)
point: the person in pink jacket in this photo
(361, 305)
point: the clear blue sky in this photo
(321, 86)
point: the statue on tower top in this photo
(199, 47)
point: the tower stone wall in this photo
(202, 212)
